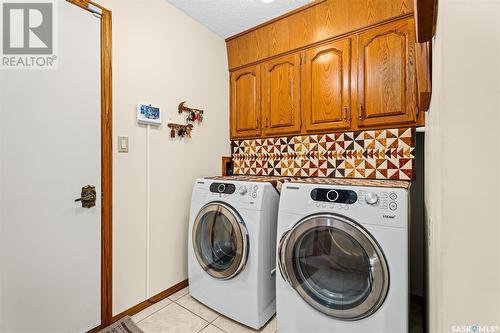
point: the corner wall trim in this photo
(152, 300)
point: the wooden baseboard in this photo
(154, 299)
(97, 329)
(172, 290)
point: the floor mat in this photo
(124, 325)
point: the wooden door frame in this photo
(106, 160)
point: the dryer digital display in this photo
(334, 195)
(222, 188)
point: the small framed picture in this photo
(148, 114)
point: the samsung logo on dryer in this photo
(389, 216)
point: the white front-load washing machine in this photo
(343, 258)
(232, 248)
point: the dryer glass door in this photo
(335, 265)
(220, 240)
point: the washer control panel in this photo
(247, 191)
(382, 200)
(253, 190)
(237, 190)
(223, 188)
(334, 195)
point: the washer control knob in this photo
(371, 198)
(243, 190)
(221, 188)
(332, 195)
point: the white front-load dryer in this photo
(232, 248)
(343, 259)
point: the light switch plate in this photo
(123, 144)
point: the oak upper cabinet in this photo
(386, 75)
(281, 95)
(245, 103)
(326, 71)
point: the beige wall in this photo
(462, 167)
(162, 57)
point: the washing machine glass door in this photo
(220, 240)
(335, 265)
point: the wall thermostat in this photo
(148, 114)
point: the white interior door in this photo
(50, 147)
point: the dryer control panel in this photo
(376, 199)
(366, 204)
(242, 190)
(238, 194)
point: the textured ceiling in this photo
(229, 17)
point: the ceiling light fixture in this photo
(267, 1)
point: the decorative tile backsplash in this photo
(374, 154)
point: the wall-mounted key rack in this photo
(180, 130)
(193, 114)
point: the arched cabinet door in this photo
(280, 95)
(326, 102)
(386, 75)
(245, 103)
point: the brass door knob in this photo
(88, 196)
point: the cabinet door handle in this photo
(345, 112)
(361, 111)
(257, 122)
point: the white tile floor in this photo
(180, 313)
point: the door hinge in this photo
(94, 10)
